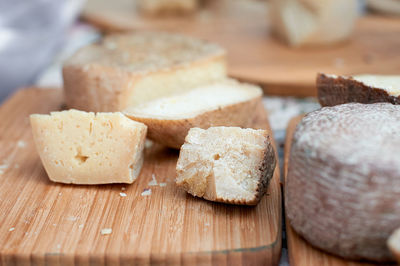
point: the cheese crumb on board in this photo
(123, 188)
(2, 168)
(106, 231)
(11, 229)
(163, 184)
(146, 192)
(80, 226)
(153, 182)
(21, 144)
(122, 194)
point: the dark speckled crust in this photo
(340, 90)
(267, 168)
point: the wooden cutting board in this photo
(45, 223)
(300, 252)
(254, 55)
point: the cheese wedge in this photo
(86, 148)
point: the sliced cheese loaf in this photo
(226, 164)
(223, 103)
(128, 69)
(343, 181)
(394, 244)
(87, 148)
(154, 7)
(334, 90)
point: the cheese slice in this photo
(87, 148)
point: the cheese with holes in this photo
(87, 148)
(313, 22)
(343, 181)
(226, 164)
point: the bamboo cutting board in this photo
(45, 223)
(243, 29)
(300, 252)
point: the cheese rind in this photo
(334, 90)
(343, 179)
(128, 69)
(226, 164)
(86, 148)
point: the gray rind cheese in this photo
(343, 181)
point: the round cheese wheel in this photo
(343, 183)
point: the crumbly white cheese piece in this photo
(343, 182)
(227, 164)
(153, 181)
(86, 148)
(122, 194)
(106, 231)
(146, 192)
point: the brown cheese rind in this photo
(339, 90)
(343, 182)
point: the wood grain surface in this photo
(300, 252)
(45, 223)
(243, 28)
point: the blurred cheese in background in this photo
(313, 22)
(391, 7)
(154, 7)
(31, 33)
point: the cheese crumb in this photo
(106, 231)
(123, 188)
(153, 182)
(148, 144)
(72, 218)
(2, 168)
(21, 144)
(11, 229)
(146, 192)
(163, 184)
(122, 194)
(80, 226)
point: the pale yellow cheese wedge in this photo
(87, 148)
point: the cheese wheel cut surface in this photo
(86, 148)
(223, 103)
(343, 183)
